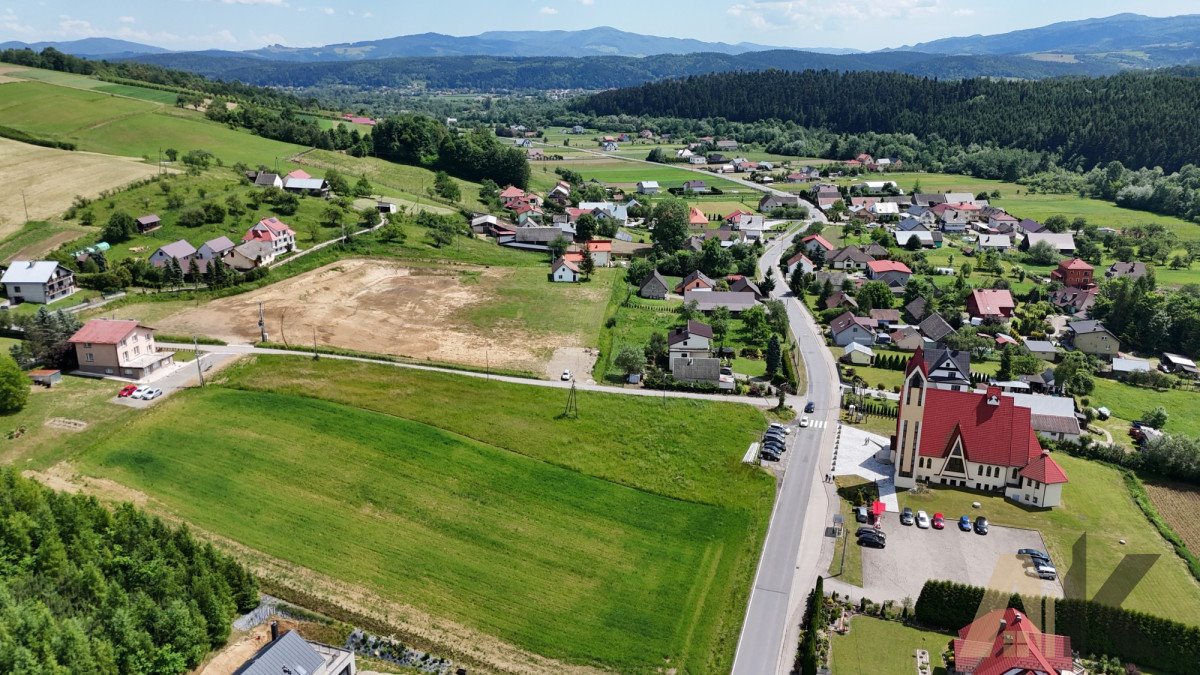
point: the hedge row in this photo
(1094, 628)
(18, 135)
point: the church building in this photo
(979, 440)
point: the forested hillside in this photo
(88, 590)
(1145, 119)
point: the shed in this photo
(46, 378)
(148, 223)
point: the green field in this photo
(526, 299)
(410, 183)
(880, 647)
(1096, 502)
(105, 123)
(471, 500)
(1129, 403)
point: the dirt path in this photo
(234, 654)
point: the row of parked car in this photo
(774, 442)
(1043, 568)
(144, 393)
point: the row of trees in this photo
(1149, 321)
(88, 590)
(287, 126)
(475, 155)
(1156, 190)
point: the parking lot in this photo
(915, 555)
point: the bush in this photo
(14, 386)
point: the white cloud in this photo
(587, 2)
(964, 12)
(274, 3)
(778, 14)
(368, 15)
(127, 19)
(328, 10)
(10, 22)
(71, 27)
(547, 10)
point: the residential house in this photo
(696, 187)
(994, 242)
(1074, 273)
(1129, 270)
(848, 328)
(707, 301)
(291, 654)
(576, 130)
(564, 271)
(848, 258)
(910, 224)
(740, 284)
(251, 254)
(727, 145)
(925, 239)
(1006, 641)
(907, 339)
(917, 309)
(948, 369)
(601, 250)
(1180, 365)
(954, 220)
(1063, 242)
(37, 281)
(876, 251)
(927, 199)
(841, 299)
(935, 327)
(215, 249)
(1051, 416)
(1074, 301)
(859, 355)
(774, 201)
(314, 187)
(801, 262)
(1002, 222)
(648, 187)
(654, 287)
(814, 243)
(274, 231)
(697, 160)
(978, 440)
(148, 223)
(1091, 337)
(121, 348)
(268, 180)
(826, 200)
(1029, 226)
(885, 318)
(609, 146)
(891, 272)
(696, 281)
(691, 341)
(923, 215)
(180, 251)
(696, 218)
(1122, 368)
(990, 303)
(1043, 349)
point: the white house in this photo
(691, 341)
(221, 247)
(38, 281)
(564, 271)
(648, 187)
(273, 231)
(800, 261)
(859, 354)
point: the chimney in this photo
(274, 631)
(1016, 618)
(1003, 625)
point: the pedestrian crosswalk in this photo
(817, 424)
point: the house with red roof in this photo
(891, 272)
(981, 440)
(696, 218)
(118, 348)
(990, 303)
(1006, 642)
(801, 262)
(601, 250)
(564, 270)
(814, 242)
(273, 231)
(1074, 273)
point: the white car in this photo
(566, 375)
(140, 392)
(152, 394)
(922, 520)
(776, 426)
(803, 421)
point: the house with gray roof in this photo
(37, 281)
(935, 327)
(1043, 349)
(291, 654)
(266, 180)
(848, 328)
(707, 301)
(221, 247)
(654, 287)
(180, 250)
(1091, 337)
(948, 368)
(1063, 242)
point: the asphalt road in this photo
(767, 641)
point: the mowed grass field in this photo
(879, 647)
(114, 125)
(1096, 503)
(1130, 403)
(630, 546)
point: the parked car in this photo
(1046, 572)
(776, 426)
(964, 524)
(566, 375)
(906, 516)
(1033, 553)
(981, 525)
(873, 542)
(861, 516)
(778, 435)
(939, 521)
(922, 520)
(140, 392)
(768, 455)
(127, 391)
(866, 529)
(810, 407)
(152, 394)
(803, 421)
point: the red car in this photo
(939, 521)
(127, 390)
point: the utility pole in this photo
(487, 360)
(316, 354)
(262, 324)
(199, 366)
(572, 403)
(26, 205)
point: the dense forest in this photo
(494, 73)
(88, 590)
(474, 155)
(1139, 119)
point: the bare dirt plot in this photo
(51, 178)
(1178, 503)
(578, 360)
(381, 307)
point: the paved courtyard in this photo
(856, 450)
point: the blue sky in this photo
(247, 24)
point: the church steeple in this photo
(906, 450)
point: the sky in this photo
(249, 24)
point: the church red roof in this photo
(1005, 641)
(1045, 470)
(999, 434)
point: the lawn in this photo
(846, 564)
(77, 398)
(880, 647)
(528, 300)
(1129, 403)
(625, 173)
(1095, 502)
(643, 532)
(410, 183)
(99, 122)
(874, 376)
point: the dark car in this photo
(810, 407)
(981, 525)
(769, 456)
(1033, 553)
(906, 516)
(866, 530)
(860, 514)
(775, 447)
(964, 524)
(872, 542)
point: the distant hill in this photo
(591, 42)
(104, 48)
(1129, 40)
